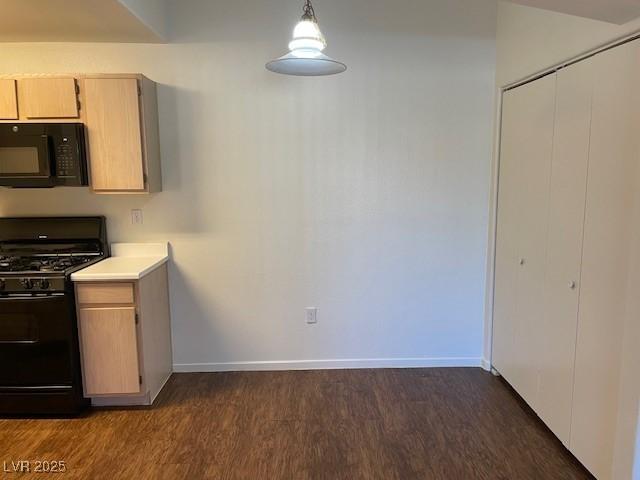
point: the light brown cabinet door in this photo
(8, 100)
(114, 134)
(109, 350)
(48, 97)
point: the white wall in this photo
(363, 194)
(530, 40)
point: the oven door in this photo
(25, 160)
(36, 341)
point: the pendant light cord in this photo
(309, 12)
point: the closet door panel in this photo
(613, 160)
(536, 154)
(564, 246)
(522, 228)
(507, 246)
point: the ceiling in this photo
(613, 11)
(81, 21)
(144, 21)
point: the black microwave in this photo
(42, 155)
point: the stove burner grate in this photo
(53, 263)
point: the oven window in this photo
(19, 161)
(18, 328)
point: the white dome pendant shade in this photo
(305, 55)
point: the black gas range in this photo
(39, 352)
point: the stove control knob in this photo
(43, 284)
(26, 283)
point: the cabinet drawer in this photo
(105, 293)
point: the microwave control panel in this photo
(68, 151)
(66, 163)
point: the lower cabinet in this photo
(110, 359)
(125, 338)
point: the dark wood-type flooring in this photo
(449, 424)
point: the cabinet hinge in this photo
(137, 318)
(77, 89)
(139, 90)
(144, 178)
(79, 105)
(140, 379)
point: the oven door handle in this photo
(30, 297)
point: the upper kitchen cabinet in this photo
(48, 97)
(121, 118)
(120, 115)
(8, 100)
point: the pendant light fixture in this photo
(305, 55)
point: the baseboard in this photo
(485, 364)
(124, 401)
(349, 363)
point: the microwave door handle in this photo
(48, 170)
(48, 154)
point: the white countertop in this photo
(129, 261)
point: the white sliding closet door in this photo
(523, 197)
(574, 90)
(614, 149)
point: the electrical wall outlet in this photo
(136, 216)
(311, 314)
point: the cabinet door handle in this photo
(521, 262)
(572, 285)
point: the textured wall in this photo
(364, 194)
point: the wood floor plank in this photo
(432, 424)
